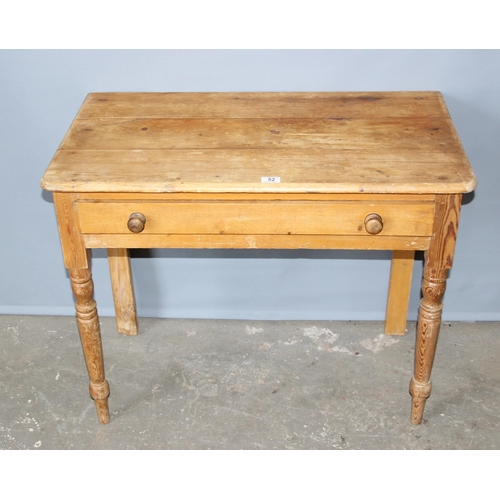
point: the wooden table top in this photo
(314, 142)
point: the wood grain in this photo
(73, 247)
(265, 217)
(394, 142)
(421, 134)
(222, 171)
(312, 242)
(440, 255)
(262, 104)
(438, 260)
(120, 270)
(399, 292)
(90, 334)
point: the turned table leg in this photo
(438, 260)
(90, 334)
(123, 290)
(429, 322)
(77, 261)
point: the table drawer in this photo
(262, 217)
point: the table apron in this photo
(283, 218)
(312, 242)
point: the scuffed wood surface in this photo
(261, 104)
(394, 142)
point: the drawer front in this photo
(259, 217)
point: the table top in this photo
(308, 142)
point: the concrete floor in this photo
(209, 384)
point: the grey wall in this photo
(41, 91)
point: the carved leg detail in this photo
(90, 334)
(429, 323)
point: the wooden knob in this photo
(136, 222)
(373, 223)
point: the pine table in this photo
(364, 171)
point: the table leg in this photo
(399, 292)
(90, 334)
(438, 260)
(77, 261)
(123, 290)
